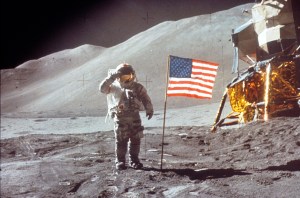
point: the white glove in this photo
(149, 115)
(115, 74)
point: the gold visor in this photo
(126, 78)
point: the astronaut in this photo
(125, 98)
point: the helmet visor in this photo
(126, 78)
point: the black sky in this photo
(28, 25)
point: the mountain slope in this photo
(67, 81)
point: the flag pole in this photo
(164, 121)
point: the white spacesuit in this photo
(125, 98)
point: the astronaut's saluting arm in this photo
(105, 85)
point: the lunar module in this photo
(269, 86)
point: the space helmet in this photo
(127, 74)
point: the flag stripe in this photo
(191, 78)
(205, 63)
(204, 76)
(207, 70)
(196, 82)
(192, 95)
(198, 89)
(199, 71)
(207, 67)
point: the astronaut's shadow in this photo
(202, 174)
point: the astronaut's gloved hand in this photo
(149, 115)
(115, 74)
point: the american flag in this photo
(191, 78)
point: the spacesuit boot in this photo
(134, 150)
(121, 150)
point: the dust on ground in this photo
(261, 159)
